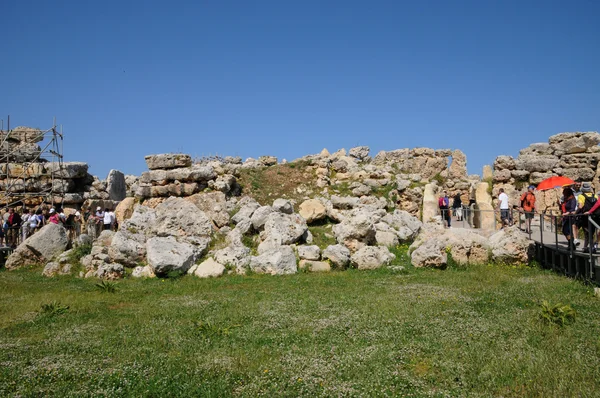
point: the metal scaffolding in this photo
(30, 179)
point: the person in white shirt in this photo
(504, 207)
(109, 219)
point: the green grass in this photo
(472, 332)
(322, 234)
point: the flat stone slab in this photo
(168, 161)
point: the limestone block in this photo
(168, 161)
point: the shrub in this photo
(557, 314)
(53, 308)
(106, 287)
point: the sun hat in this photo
(52, 211)
(586, 187)
(98, 208)
(77, 214)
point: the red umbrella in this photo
(554, 182)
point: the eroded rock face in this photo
(166, 255)
(277, 261)
(431, 254)
(128, 245)
(312, 210)
(41, 247)
(180, 218)
(359, 152)
(511, 245)
(214, 205)
(209, 269)
(284, 229)
(115, 185)
(237, 256)
(168, 161)
(338, 255)
(372, 257)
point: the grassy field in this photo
(460, 332)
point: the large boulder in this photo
(209, 268)
(536, 163)
(67, 170)
(260, 215)
(41, 247)
(338, 255)
(128, 245)
(110, 271)
(246, 210)
(168, 161)
(372, 257)
(115, 185)
(166, 255)
(430, 203)
(309, 252)
(179, 218)
(485, 217)
(511, 245)
(214, 205)
(237, 256)
(283, 206)
(458, 167)
(407, 227)
(312, 210)
(284, 229)
(359, 152)
(431, 254)
(277, 261)
(124, 210)
(357, 226)
(567, 143)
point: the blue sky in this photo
(248, 78)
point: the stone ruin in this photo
(573, 155)
(26, 177)
(185, 216)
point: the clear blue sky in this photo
(247, 78)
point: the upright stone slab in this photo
(484, 216)
(430, 203)
(115, 185)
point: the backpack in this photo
(589, 202)
(441, 202)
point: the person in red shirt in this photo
(528, 206)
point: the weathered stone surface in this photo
(267, 160)
(504, 162)
(166, 255)
(68, 170)
(124, 210)
(359, 152)
(503, 175)
(386, 238)
(41, 247)
(539, 163)
(371, 257)
(275, 262)
(283, 206)
(110, 271)
(344, 202)
(315, 266)
(312, 210)
(214, 205)
(143, 272)
(511, 245)
(179, 218)
(23, 134)
(430, 202)
(55, 268)
(209, 269)
(168, 161)
(407, 226)
(536, 177)
(566, 143)
(484, 216)
(115, 185)
(309, 252)
(338, 255)
(431, 254)
(458, 167)
(358, 225)
(260, 215)
(237, 256)
(128, 245)
(542, 148)
(487, 172)
(246, 211)
(284, 229)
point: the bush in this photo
(53, 309)
(557, 314)
(106, 287)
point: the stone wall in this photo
(574, 155)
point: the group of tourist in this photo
(447, 210)
(17, 226)
(577, 204)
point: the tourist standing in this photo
(109, 219)
(528, 207)
(585, 202)
(54, 218)
(14, 225)
(504, 207)
(568, 208)
(444, 204)
(457, 207)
